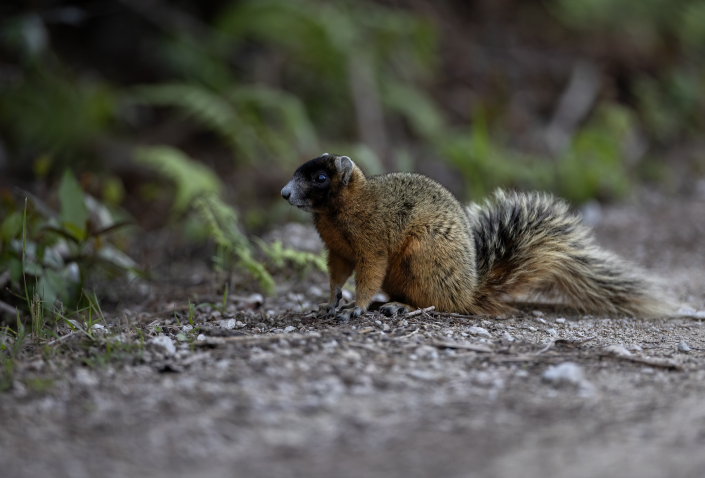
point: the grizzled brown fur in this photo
(407, 235)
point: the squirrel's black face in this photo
(317, 181)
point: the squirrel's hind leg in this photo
(391, 308)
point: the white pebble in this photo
(187, 328)
(566, 372)
(683, 347)
(229, 324)
(479, 331)
(687, 311)
(165, 342)
(288, 329)
(201, 337)
(86, 377)
(560, 320)
(617, 350)
(315, 291)
(537, 313)
(255, 299)
(507, 336)
(551, 332)
(426, 351)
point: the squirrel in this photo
(407, 235)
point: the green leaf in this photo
(11, 226)
(15, 268)
(74, 213)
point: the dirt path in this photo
(430, 395)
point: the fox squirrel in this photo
(407, 235)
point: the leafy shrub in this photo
(50, 256)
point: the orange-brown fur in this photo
(407, 235)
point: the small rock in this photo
(508, 337)
(288, 329)
(378, 322)
(98, 328)
(635, 348)
(85, 377)
(479, 331)
(201, 337)
(700, 314)
(532, 329)
(537, 313)
(187, 328)
(617, 350)
(426, 352)
(687, 311)
(385, 327)
(315, 291)
(683, 347)
(229, 324)
(560, 320)
(164, 342)
(551, 332)
(423, 375)
(255, 300)
(566, 372)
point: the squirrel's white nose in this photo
(286, 192)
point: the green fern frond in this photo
(301, 260)
(206, 107)
(191, 178)
(221, 221)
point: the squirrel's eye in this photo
(320, 178)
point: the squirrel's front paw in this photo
(326, 310)
(348, 314)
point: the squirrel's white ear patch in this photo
(345, 166)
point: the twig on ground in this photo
(460, 345)
(548, 346)
(419, 312)
(254, 339)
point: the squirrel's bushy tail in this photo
(528, 243)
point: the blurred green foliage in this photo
(266, 84)
(49, 256)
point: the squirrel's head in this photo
(318, 181)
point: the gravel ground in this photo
(269, 390)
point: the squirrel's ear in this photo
(345, 166)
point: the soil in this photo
(267, 389)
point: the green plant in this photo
(301, 260)
(593, 165)
(232, 247)
(191, 178)
(48, 256)
(255, 121)
(11, 343)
